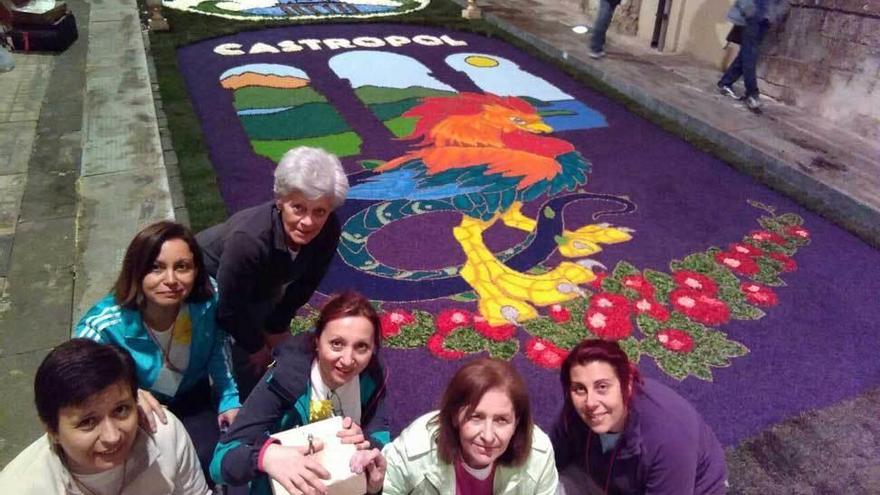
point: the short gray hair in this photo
(312, 172)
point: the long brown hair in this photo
(142, 252)
(465, 391)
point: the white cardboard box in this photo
(335, 456)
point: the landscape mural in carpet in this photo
(498, 207)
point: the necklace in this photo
(166, 351)
(88, 491)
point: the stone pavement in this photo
(38, 155)
(83, 165)
(82, 169)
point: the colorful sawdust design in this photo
(672, 317)
(260, 10)
(279, 110)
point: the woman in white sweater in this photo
(85, 393)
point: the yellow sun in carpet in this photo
(481, 61)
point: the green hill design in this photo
(401, 126)
(393, 109)
(375, 94)
(310, 120)
(259, 97)
(342, 144)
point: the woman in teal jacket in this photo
(332, 371)
(162, 311)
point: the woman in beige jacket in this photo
(481, 442)
(85, 393)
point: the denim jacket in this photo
(110, 323)
(770, 10)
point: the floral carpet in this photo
(498, 207)
(261, 10)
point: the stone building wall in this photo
(826, 56)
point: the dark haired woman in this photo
(481, 441)
(333, 371)
(628, 435)
(85, 396)
(163, 311)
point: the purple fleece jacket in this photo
(665, 448)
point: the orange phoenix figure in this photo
(487, 155)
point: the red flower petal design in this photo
(765, 235)
(739, 263)
(797, 231)
(675, 340)
(389, 328)
(690, 279)
(437, 348)
(759, 295)
(609, 303)
(392, 321)
(640, 284)
(450, 319)
(746, 249)
(559, 313)
(596, 284)
(497, 333)
(699, 306)
(651, 308)
(545, 353)
(788, 264)
(608, 326)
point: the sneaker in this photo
(726, 90)
(596, 54)
(753, 104)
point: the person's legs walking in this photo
(734, 71)
(753, 34)
(600, 27)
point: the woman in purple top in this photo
(621, 434)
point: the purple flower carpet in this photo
(499, 207)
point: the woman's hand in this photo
(148, 410)
(226, 418)
(297, 472)
(373, 464)
(351, 433)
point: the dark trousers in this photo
(245, 376)
(603, 20)
(198, 412)
(746, 61)
(257, 312)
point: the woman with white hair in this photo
(269, 259)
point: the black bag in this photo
(735, 35)
(51, 38)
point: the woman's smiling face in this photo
(598, 397)
(345, 348)
(98, 434)
(485, 432)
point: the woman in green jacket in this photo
(481, 442)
